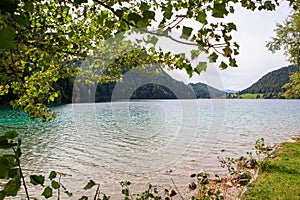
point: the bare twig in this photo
(177, 189)
(22, 176)
(97, 192)
(58, 191)
(181, 19)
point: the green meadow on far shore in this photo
(246, 96)
(251, 96)
(281, 179)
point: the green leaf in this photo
(120, 13)
(125, 192)
(37, 180)
(219, 9)
(223, 65)
(52, 175)
(4, 170)
(11, 134)
(134, 17)
(2, 195)
(14, 173)
(202, 66)
(149, 14)
(268, 5)
(47, 192)
(54, 78)
(12, 187)
(4, 144)
(189, 70)
(186, 32)
(28, 6)
(154, 40)
(201, 17)
(124, 26)
(195, 54)
(9, 160)
(168, 14)
(144, 6)
(84, 198)
(55, 185)
(51, 98)
(213, 57)
(89, 185)
(21, 20)
(102, 17)
(7, 36)
(232, 62)
(105, 197)
(231, 26)
(9, 5)
(78, 2)
(142, 23)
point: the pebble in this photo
(229, 184)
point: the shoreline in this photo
(229, 186)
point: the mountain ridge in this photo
(163, 86)
(270, 84)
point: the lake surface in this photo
(142, 141)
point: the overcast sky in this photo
(254, 60)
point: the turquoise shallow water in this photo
(141, 140)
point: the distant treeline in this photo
(142, 86)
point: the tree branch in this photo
(13, 68)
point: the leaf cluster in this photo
(55, 184)
(288, 39)
(10, 171)
(41, 41)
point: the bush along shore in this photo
(268, 173)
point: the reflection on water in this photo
(139, 141)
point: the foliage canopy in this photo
(288, 39)
(41, 41)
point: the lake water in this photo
(147, 141)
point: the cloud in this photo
(254, 30)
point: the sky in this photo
(254, 29)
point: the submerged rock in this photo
(192, 186)
(193, 175)
(173, 193)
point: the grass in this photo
(281, 179)
(249, 96)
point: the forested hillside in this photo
(270, 85)
(205, 91)
(142, 86)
